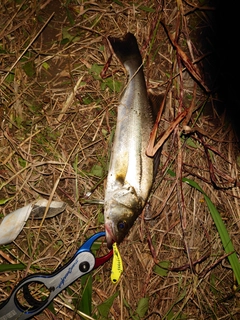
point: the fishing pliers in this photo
(81, 263)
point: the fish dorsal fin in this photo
(155, 100)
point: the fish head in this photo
(120, 212)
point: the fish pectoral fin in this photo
(128, 197)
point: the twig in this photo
(187, 62)
(26, 49)
(69, 99)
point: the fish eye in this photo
(121, 225)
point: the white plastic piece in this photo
(13, 223)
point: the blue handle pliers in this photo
(81, 263)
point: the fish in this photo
(131, 172)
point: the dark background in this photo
(226, 24)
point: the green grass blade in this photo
(12, 267)
(222, 230)
(3, 201)
(104, 308)
(86, 300)
(143, 306)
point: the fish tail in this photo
(126, 48)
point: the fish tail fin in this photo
(126, 48)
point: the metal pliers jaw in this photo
(81, 263)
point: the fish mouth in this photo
(109, 234)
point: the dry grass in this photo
(57, 121)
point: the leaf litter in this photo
(58, 118)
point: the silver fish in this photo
(131, 172)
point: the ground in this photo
(58, 116)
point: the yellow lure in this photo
(117, 265)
